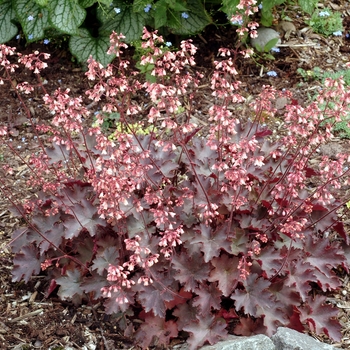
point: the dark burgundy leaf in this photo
(156, 328)
(211, 242)
(191, 270)
(254, 299)
(339, 227)
(186, 314)
(321, 318)
(323, 255)
(226, 273)
(263, 133)
(70, 285)
(105, 258)
(26, 263)
(93, 284)
(208, 299)
(299, 277)
(248, 326)
(206, 329)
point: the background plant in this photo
(341, 128)
(186, 232)
(88, 23)
(326, 22)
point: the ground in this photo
(27, 317)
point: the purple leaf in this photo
(26, 263)
(70, 285)
(206, 329)
(211, 242)
(191, 270)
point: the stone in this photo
(284, 339)
(256, 342)
(264, 36)
(289, 339)
(285, 28)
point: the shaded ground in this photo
(26, 316)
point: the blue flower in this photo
(18, 36)
(184, 15)
(260, 6)
(116, 10)
(275, 49)
(30, 36)
(337, 33)
(324, 14)
(168, 43)
(147, 8)
(237, 23)
(272, 73)
(30, 18)
(46, 41)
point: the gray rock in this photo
(264, 36)
(289, 339)
(256, 342)
(284, 339)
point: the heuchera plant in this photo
(187, 228)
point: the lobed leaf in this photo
(83, 45)
(7, 28)
(321, 318)
(198, 19)
(155, 327)
(66, 15)
(127, 22)
(225, 272)
(26, 263)
(206, 329)
(34, 19)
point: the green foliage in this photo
(83, 45)
(38, 18)
(146, 68)
(341, 128)
(271, 44)
(266, 11)
(109, 120)
(307, 6)
(267, 6)
(326, 22)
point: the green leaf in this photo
(259, 48)
(266, 17)
(87, 3)
(66, 15)
(42, 3)
(83, 45)
(308, 6)
(198, 19)
(160, 14)
(105, 2)
(139, 5)
(126, 22)
(270, 44)
(33, 18)
(7, 29)
(229, 7)
(176, 6)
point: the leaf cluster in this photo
(187, 232)
(89, 23)
(326, 25)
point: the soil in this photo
(28, 319)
